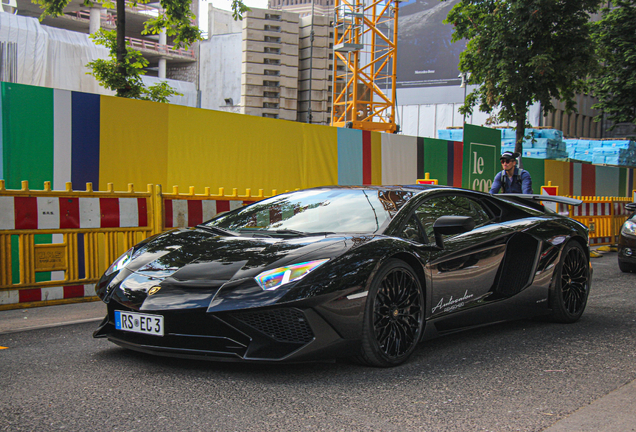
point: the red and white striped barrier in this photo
(181, 213)
(601, 240)
(47, 293)
(620, 210)
(593, 209)
(68, 213)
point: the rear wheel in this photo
(570, 290)
(394, 316)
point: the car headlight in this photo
(121, 262)
(629, 228)
(272, 279)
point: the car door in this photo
(462, 275)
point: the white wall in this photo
(51, 57)
(220, 66)
(424, 120)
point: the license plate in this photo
(139, 323)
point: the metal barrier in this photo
(89, 231)
(604, 216)
(190, 209)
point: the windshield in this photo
(317, 211)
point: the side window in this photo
(449, 205)
(411, 231)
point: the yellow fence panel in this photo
(180, 210)
(604, 217)
(90, 230)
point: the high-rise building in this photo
(276, 59)
(303, 7)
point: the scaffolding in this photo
(365, 56)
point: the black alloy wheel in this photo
(394, 315)
(570, 290)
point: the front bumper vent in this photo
(283, 325)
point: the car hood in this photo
(200, 255)
(189, 266)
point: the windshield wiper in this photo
(291, 232)
(303, 233)
(218, 230)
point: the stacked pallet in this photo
(537, 144)
(454, 134)
(620, 152)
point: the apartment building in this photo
(274, 72)
(315, 79)
(304, 7)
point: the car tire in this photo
(626, 267)
(394, 316)
(571, 285)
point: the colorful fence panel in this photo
(86, 138)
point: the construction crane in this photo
(365, 63)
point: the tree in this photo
(177, 20)
(615, 84)
(523, 51)
(128, 84)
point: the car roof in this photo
(407, 188)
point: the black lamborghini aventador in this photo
(363, 272)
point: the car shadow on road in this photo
(464, 352)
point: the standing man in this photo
(511, 179)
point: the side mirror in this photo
(446, 225)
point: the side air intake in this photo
(518, 264)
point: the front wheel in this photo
(568, 296)
(626, 267)
(394, 315)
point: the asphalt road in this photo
(519, 376)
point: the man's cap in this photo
(509, 155)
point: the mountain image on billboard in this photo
(426, 56)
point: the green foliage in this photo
(178, 20)
(615, 84)
(238, 9)
(523, 51)
(127, 84)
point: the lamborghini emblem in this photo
(154, 290)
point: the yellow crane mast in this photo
(365, 64)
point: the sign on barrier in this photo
(552, 191)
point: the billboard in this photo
(482, 148)
(426, 56)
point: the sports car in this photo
(627, 242)
(365, 272)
